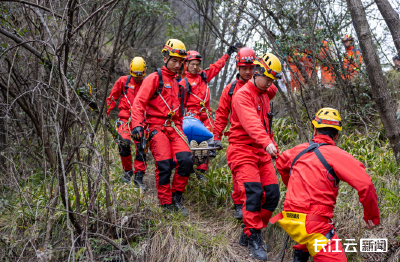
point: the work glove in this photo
(218, 143)
(271, 149)
(138, 133)
(231, 50)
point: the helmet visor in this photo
(138, 73)
(246, 60)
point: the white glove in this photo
(271, 149)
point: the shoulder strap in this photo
(188, 87)
(160, 82)
(232, 88)
(125, 89)
(327, 167)
(182, 91)
(314, 148)
(204, 76)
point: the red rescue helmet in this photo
(245, 56)
(193, 55)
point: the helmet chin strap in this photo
(167, 62)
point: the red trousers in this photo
(202, 116)
(256, 182)
(125, 149)
(332, 252)
(167, 146)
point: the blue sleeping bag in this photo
(194, 129)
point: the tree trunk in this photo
(380, 92)
(392, 20)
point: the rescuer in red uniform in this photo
(163, 100)
(311, 172)
(244, 66)
(251, 146)
(127, 88)
(198, 94)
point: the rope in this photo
(168, 105)
(207, 111)
(179, 133)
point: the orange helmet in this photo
(193, 55)
(348, 38)
(245, 56)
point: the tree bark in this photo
(380, 92)
(392, 20)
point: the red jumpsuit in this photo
(310, 192)
(201, 93)
(247, 158)
(221, 120)
(123, 124)
(352, 62)
(165, 142)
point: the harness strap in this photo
(160, 82)
(308, 218)
(125, 91)
(204, 76)
(232, 88)
(128, 80)
(182, 91)
(188, 87)
(314, 148)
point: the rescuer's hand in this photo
(271, 149)
(138, 133)
(370, 225)
(218, 143)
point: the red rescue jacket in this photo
(156, 109)
(127, 100)
(224, 106)
(310, 191)
(199, 86)
(249, 119)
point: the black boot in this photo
(300, 256)
(177, 200)
(168, 207)
(238, 211)
(256, 246)
(127, 176)
(139, 180)
(244, 240)
(200, 175)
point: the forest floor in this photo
(141, 229)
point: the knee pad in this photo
(254, 193)
(271, 197)
(185, 162)
(164, 172)
(125, 147)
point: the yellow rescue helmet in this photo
(327, 117)
(138, 67)
(270, 64)
(175, 47)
